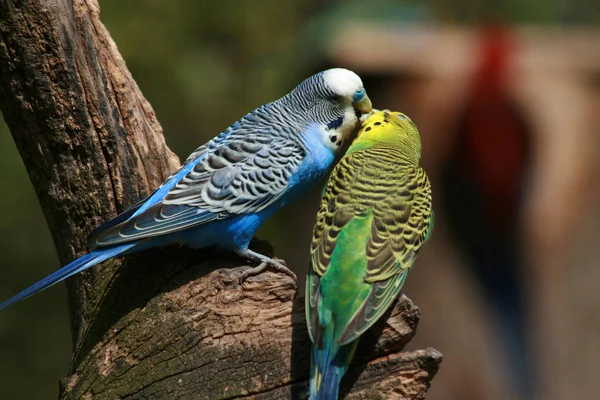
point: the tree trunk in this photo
(165, 323)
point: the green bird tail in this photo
(328, 366)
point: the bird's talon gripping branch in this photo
(278, 266)
(280, 261)
(265, 265)
(264, 262)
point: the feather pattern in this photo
(375, 214)
(245, 169)
(231, 185)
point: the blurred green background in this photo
(202, 65)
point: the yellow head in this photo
(389, 128)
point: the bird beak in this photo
(364, 105)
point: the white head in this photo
(342, 82)
(346, 100)
(332, 101)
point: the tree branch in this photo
(166, 323)
(206, 336)
(89, 140)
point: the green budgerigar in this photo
(375, 215)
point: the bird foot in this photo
(264, 266)
(264, 263)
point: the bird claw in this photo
(264, 265)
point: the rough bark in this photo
(89, 140)
(165, 323)
(207, 336)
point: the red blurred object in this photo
(495, 137)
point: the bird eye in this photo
(335, 98)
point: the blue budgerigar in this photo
(231, 185)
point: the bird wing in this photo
(238, 172)
(397, 199)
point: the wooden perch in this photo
(168, 323)
(206, 336)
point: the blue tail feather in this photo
(330, 384)
(84, 262)
(328, 368)
(100, 254)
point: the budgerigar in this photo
(375, 215)
(228, 187)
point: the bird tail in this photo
(328, 366)
(84, 262)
